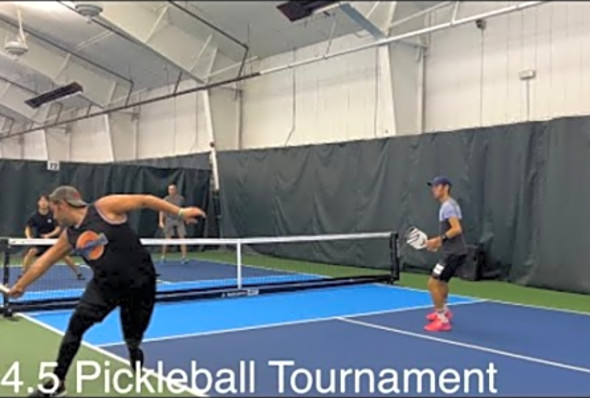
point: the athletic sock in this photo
(441, 315)
(445, 308)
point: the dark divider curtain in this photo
(24, 181)
(523, 190)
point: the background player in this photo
(41, 224)
(171, 223)
(454, 251)
(123, 272)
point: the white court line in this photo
(538, 307)
(470, 346)
(279, 324)
(113, 356)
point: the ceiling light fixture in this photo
(18, 46)
(88, 9)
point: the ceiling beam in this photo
(185, 8)
(63, 68)
(13, 97)
(152, 30)
(42, 38)
(355, 14)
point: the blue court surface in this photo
(362, 340)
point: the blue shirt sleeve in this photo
(449, 209)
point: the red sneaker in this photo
(438, 326)
(432, 316)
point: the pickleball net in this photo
(222, 267)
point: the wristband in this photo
(180, 212)
(444, 237)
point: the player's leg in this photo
(29, 258)
(439, 290)
(168, 233)
(92, 308)
(136, 313)
(181, 232)
(163, 256)
(440, 320)
(75, 268)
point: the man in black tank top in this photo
(123, 273)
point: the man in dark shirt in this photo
(41, 225)
(123, 272)
(454, 251)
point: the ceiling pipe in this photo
(209, 24)
(135, 104)
(420, 32)
(22, 87)
(419, 14)
(233, 66)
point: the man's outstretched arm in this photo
(115, 207)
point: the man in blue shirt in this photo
(453, 252)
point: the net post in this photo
(239, 262)
(394, 253)
(5, 249)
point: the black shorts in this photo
(447, 266)
(136, 305)
(40, 250)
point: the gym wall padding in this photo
(523, 188)
(24, 181)
(197, 161)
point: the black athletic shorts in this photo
(40, 250)
(136, 305)
(447, 265)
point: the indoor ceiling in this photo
(143, 45)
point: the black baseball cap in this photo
(68, 194)
(439, 180)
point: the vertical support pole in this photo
(239, 263)
(21, 145)
(5, 247)
(211, 136)
(107, 126)
(135, 126)
(2, 132)
(386, 95)
(390, 16)
(421, 89)
(240, 120)
(46, 146)
(69, 133)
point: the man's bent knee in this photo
(435, 283)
